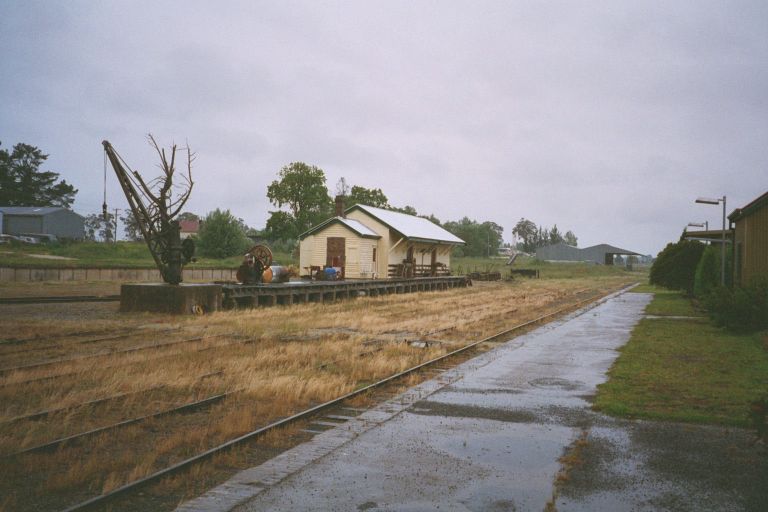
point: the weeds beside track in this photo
(99, 501)
(295, 358)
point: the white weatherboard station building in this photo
(374, 243)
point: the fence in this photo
(110, 274)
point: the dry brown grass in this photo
(282, 359)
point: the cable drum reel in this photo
(262, 255)
(253, 271)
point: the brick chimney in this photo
(340, 206)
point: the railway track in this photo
(99, 401)
(110, 337)
(85, 357)
(35, 366)
(80, 371)
(184, 408)
(433, 365)
(49, 412)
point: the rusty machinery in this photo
(154, 206)
(257, 262)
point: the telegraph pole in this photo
(116, 210)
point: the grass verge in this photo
(671, 303)
(105, 255)
(685, 370)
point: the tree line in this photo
(531, 236)
(22, 183)
(299, 194)
(303, 200)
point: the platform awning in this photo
(712, 235)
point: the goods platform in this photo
(252, 295)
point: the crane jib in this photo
(154, 215)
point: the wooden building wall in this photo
(382, 244)
(751, 234)
(358, 251)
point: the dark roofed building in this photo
(750, 233)
(601, 253)
(189, 228)
(46, 220)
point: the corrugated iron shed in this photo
(600, 253)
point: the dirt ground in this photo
(58, 288)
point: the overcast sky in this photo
(606, 118)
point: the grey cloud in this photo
(605, 118)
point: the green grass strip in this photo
(106, 255)
(686, 370)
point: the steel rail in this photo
(85, 357)
(48, 412)
(43, 414)
(182, 465)
(81, 370)
(111, 337)
(68, 335)
(100, 430)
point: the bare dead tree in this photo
(167, 197)
(155, 204)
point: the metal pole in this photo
(722, 250)
(115, 238)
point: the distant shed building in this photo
(558, 252)
(750, 232)
(369, 242)
(601, 253)
(49, 220)
(189, 228)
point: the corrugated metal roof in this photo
(415, 228)
(356, 226)
(753, 206)
(564, 252)
(610, 249)
(29, 210)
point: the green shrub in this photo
(221, 235)
(743, 309)
(675, 266)
(707, 276)
(758, 414)
(283, 246)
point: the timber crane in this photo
(154, 208)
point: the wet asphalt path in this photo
(488, 436)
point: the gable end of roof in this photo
(411, 227)
(357, 227)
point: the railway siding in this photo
(302, 355)
(252, 482)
